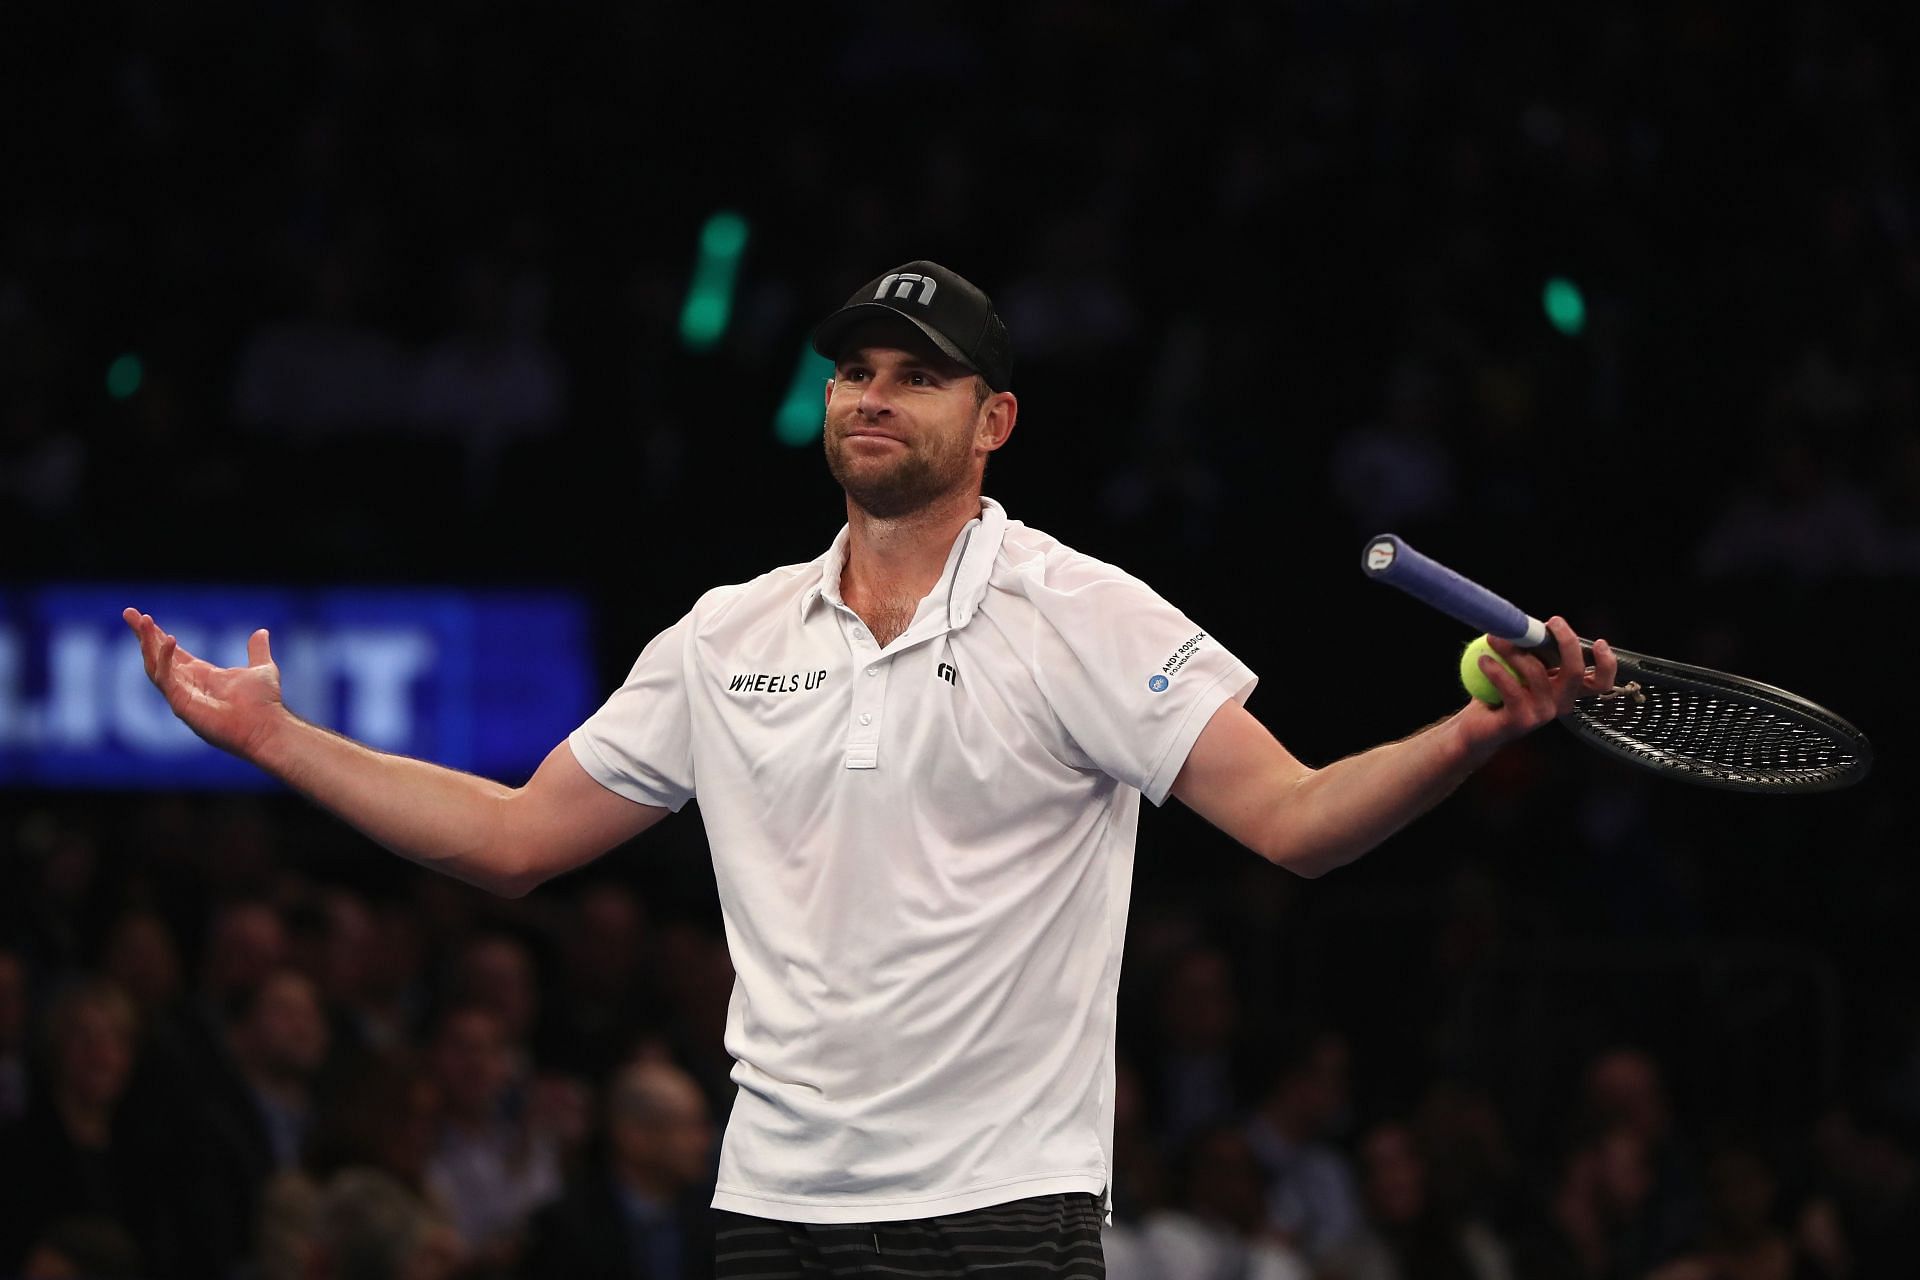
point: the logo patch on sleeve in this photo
(1175, 661)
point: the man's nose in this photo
(875, 399)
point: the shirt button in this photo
(873, 671)
(866, 717)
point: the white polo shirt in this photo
(924, 854)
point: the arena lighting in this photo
(709, 306)
(124, 376)
(803, 412)
(1566, 309)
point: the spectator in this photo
(642, 1214)
(255, 1104)
(83, 1247)
(246, 942)
(1625, 1090)
(1196, 1062)
(1742, 1240)
(360, 1224)
(601, 1003)
(492, 1165)
(695, 976)
(142, 958)
(1471, 1165)
(1312, 1197)
(497, 973)
(1218, 1227)
(1595, 1226)
(1138, 1169)
(1410, 1234)
(78, 1150)
(383, 1114)
(393, 991)
(341, 959)
(279, 1043)
(1874, 1184)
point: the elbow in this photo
(1298, 838)
(522, 876)
(1305, 868)
(513, 887)
(1306, 862)
(510, 865)
(492, 878)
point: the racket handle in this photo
(1387, 559)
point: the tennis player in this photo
(920, 758)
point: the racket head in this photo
(1720, 730)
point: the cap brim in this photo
(832, 331)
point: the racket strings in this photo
(1707, 732)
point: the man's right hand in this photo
(231, 707)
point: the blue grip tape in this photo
(1389, 560)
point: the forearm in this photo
(1238, 777)
(1331, 816)
(452, 822)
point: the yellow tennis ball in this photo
(1475, 679)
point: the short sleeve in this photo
(639, 744)
(1132, 679)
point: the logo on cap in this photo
(904, 286)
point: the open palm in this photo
(227, 706)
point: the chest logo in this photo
(775, 681)
(945, 671)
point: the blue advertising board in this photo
(486, 681)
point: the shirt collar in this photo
(964, 582)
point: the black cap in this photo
(950, 310)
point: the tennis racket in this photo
(1690, 723)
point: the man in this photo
(637, 1214)
(492, 1168)
(920, 759)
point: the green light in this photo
(709, 305)
(124, 376)
(724, 236)
(803, 412)
(1566, 309)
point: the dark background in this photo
(1274, 284)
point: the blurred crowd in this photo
(403, 289)
(240, 1042)
(245, 1071)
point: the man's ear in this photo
(997, 417)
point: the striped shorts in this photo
(1056, 1237)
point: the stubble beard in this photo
(915, 481)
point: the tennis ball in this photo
(1475, 679)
